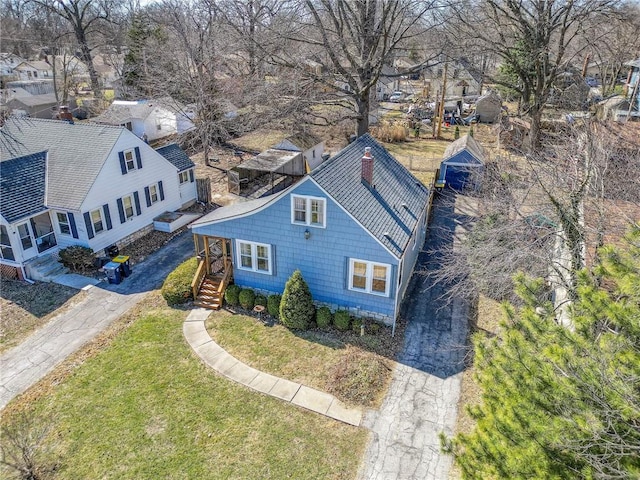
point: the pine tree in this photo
(296, 307)
(559, 402)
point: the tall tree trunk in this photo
(364, 104)
(87, 58)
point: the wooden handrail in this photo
(198, 278)
(225, 280)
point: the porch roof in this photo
(22, 186)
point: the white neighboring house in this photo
(8, 62)
(309, 145)
(68, 184)
(156, 118)
(34, 70)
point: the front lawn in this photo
(313, 358)
(144, 406)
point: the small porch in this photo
(214, 272)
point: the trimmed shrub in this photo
(323, 317)
(456, 133)
(77, 258)
(296, 307)
(260, 300)
(374, 328)
(356, 324)
(273, 305)
(176, 288)
(232, 295)
(342, 320)
(247, 298)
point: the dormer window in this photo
(311, 211)
(130, 160)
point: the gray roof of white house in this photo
(118, 114)
(176, 156)
(391, 208)
(77, 153)
(22, 186)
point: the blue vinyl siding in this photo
(322, 259)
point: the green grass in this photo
(311, 358)
(144, 406)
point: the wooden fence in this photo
(203, 187)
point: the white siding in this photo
(163, 118)
(111, 184)
(314, 159)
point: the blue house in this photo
(461, 165)
(353, 227)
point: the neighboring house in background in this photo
(34, 70)
(489, 108)
(354, 227)
(34, 87)
(156, 118)
(462, 164)
(309, 145)
(36, 106)
(633, 87)
(68, 184)
(8, 63)
(462, 80)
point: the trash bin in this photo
(111, 251)
(113, 272)
(125, 265)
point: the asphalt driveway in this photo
(23, 366)
(423, 396)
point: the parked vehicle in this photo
(396, 97)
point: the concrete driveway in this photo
(23, 366)
(423, 396)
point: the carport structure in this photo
(462, 165)
(266, 173)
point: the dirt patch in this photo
(27, 307)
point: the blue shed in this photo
(353, 227)
(462, 164)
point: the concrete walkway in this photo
(423, 396)
(24, 365)
(221, 361)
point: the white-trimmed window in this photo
(127, 205)
(310, 211)
(129, 160)
(184, 176)
(63, 223)
(253, 256)
(154, 196)
(369, 277)
(97, 221)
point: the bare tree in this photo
(532, 38)
(84, 18)
(545, 214)
(352, 41)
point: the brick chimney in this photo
(367, 166)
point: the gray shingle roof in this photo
(391, 210)
(118, 114)
(76, 154)
(465, 149)
(302, 140)
(22, 186)
(176, 156)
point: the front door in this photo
(27, 241)
(43, 231)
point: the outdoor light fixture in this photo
(307, 234)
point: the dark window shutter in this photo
(147, 196)
(191, 177)
(136, 200)
(72, 225)
(138, 157)
(107, 216)
(121, 210)
(87, 222)
(273, 261)
(161, 190)
(346, 273)
(123, 166)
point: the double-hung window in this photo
(6, 251)
(96, 221)
(253, 256)
(129, 160)
(127, 205)
(153, 193)
(310, 211)
(63, 223)
(369, 277)
(184, 176)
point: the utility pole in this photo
(442, 96)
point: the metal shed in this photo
(462, 165)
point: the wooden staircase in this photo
(211, 294)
